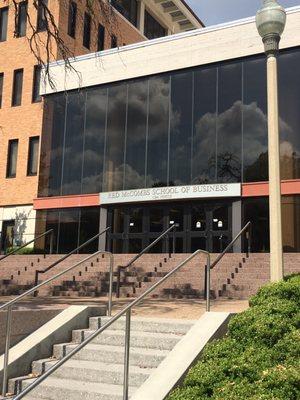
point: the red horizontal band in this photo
(87, 200)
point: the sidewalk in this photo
(159, 308)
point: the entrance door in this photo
(210, 227)
(7, 237)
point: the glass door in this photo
(209, 227)
(7, 237)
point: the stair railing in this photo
(49, 232)
(127, 312)
(63, 258)
(248, 231)
(145, 250)
(9, 305)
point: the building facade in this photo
(21, 106)
(180, 138)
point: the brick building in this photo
(21, 107)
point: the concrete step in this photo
(144, 358)
(67, 389)
(138, 324)
(94, 371)
(161, 341)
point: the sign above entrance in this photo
(172, 193)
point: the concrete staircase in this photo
(96, 372)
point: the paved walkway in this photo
(159, 308)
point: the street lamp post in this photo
(270, 22)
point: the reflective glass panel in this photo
(158, 128)
(115, 138)
(198, 218)
(255, 121)
(220, 218)
(136, 135)
(291, 225)
(156, 219)
(229, 123)
(204, 135)
(52, 146)
(289, 106)
(135, 220)
(73, 152)
(89, 227)
(176, 216)
(256, 210)
(68, 230)
(94, 139)
(181, 129)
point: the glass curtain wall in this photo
(202, 125)
(72, 227)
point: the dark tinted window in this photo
(128, 8)
(17, 88)
(72, 19)
(89, 227)
(87, 30)
(153, 29)
(158, 131)
(115, 137)
(33, 154)
(114, 42)
(256, 210)
(73, 150)
(136, 135)
(42, 15)
(181, 129)
(255, 121)
(94, 140)
(289, 106)
(291, 225)
(1, 87)
(229, 123)
(101, 37)
(22, 19)
(52, 146)
(3, 23)
(12, 156)
(205, 125)
(36, 97)
(68, 230)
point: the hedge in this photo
(259, 359)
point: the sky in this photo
(213, 12)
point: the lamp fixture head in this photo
(270, 23)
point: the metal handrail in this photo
(145, 250)
(32, 241)
(63, 258)
(247, 228)
(9, 305)
(127, 311)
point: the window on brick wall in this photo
(12, 155)
(1, 87)
(33, 154)
(72, 19)
(17, 88)
(87, 31)
(101, 37)
(114, 41)
(22, 19)
(36, 97)
(41, 17)
(3, 23)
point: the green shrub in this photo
(265, 324)
(259, 359)
(288, 289)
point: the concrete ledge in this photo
(39, 344)
(175, 366)
(24, 322)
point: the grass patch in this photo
(259, 359)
